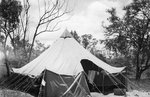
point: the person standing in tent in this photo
(3, 67)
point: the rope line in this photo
(115, 83)
(131, 82)
(94, 85)
(118, 80)
(41, 83)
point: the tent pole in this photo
(40, 90)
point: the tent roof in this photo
(64, 57)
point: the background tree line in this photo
(129, 36)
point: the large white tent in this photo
(64, 57)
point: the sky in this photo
(86, 17)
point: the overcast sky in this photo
(86, 17)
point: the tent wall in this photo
(56, 85)
(107, 80)
(107, 83)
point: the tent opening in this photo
(99, 80)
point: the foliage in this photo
(10, 11)
(86, 38)
(123, 61)
(2, 38)
(89, 43)
(21, 54)
(148, 74)
(76, 36)
(21, 59)
(129, 36)
(100, 56)
(38, 49)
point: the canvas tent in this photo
(62, 63)
(64, 57)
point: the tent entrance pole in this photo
(41, 89)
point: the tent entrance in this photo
(56, 85)
(102, 81)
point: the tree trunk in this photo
(138, 75)
(30, 52)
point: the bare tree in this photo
(25, 20)
(52, 12)
(18, 32)
(24, 25)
